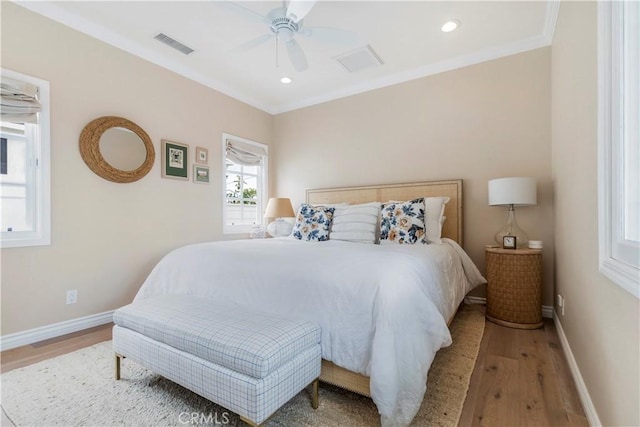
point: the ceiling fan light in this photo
(285, 80)
(285, 34)
(451, 25)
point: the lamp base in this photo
(511, 228)
(279, 228)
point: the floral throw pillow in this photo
(313, 223)
(402, 222)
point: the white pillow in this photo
(434, 218)
(356, 223)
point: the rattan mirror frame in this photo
(90, 149)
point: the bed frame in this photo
(451, 229)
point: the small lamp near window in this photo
(279, 208)
(514, 191)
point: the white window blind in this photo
(245, 182)
(19, 101)
(244, 153)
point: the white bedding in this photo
(382, 308)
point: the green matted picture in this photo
(200, 174)
(175, 163)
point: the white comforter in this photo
(383, 309)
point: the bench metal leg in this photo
(251, 423)
(314, 393)
(117, 373)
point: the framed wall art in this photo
(202, 155)
(200, 174)
(175, 160)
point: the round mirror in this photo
(122, 149)
(116, 149)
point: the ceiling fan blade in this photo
(247, 13)
(298, 9)
(296, 55)
(330, 35)
(252, 43)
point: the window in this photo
(25, 218)
(245, 172)
(618, 142)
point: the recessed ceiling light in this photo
(450, 25)
(285, 80)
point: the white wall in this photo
(106, 237)
(601, 320)
(485, 121)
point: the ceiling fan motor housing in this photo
(282, 26)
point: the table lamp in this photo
(279, 208)
(514, 191)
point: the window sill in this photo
(26, 240)
(623, 275)
(237, 231)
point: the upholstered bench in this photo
(250, 363)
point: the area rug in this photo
(78, 389)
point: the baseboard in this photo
(583, 392)
(547, 310)
(18, 339)
(475, 300)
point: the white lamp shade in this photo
(520, 191)
(279, 208)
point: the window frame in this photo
(619, 259)
(41, 203)
(261, 190)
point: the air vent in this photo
(173, 43)
(359, 59)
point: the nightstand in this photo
(514, 287)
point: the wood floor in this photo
(521, 377)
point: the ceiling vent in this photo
(173, 43)
(359, 59)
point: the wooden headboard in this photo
(452, 227)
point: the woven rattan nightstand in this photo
(514, 288)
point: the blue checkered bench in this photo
(250, 363)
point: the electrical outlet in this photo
(72, 296)
(561, 303)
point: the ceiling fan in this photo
(285, 24)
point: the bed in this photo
(383, 309)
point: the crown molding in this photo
(52, 11)
(461, 61)
(551, 20)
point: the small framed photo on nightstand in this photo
(509, 242)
